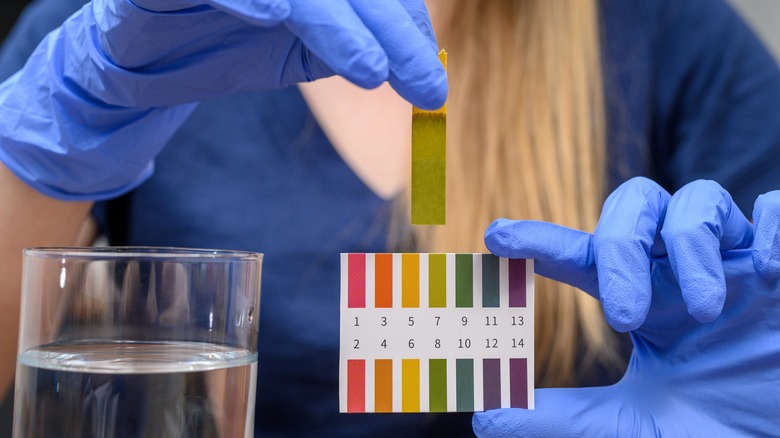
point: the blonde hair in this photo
(526, 140)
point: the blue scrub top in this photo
(691, 94)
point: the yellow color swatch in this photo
(410, 280)
(410, 389)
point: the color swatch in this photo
(435, 333)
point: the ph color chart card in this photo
(436, 333)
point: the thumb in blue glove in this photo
(766, 244)
(685, 378)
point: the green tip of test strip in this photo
(429, 163)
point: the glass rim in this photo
(153, 252)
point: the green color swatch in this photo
(464, 280)
(437, 384)
(464, 382)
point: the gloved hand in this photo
(195, 49)
(701, 295)
(102, 94)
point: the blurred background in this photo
(764, 16)
(9, 10)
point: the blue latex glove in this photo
(102, 94)
(702, 297)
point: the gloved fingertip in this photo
(367, 70)
(624, 315)
(705, 307)
(624, 324)
(494, 423)
(436, 91)
(766, 241)
(479, 423)
(497, 225)
(273, 10)
(705, 315)
(498, 236)
(281, 10)
(766, 266)
(427, 90)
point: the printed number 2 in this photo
(357, 344)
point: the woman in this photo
(551, 106)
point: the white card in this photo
(436, 333)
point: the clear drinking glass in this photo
(137, 342)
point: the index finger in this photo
(702, 219)
(404, 31)
(624, 241)
(334, 32)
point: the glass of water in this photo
(137, 342)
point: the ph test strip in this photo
(436, 333)
(429, 163)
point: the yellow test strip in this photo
(429, 158)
